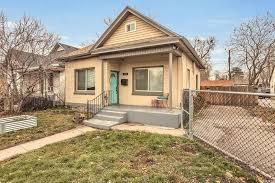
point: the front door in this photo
(114, 87)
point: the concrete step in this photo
(100, 124)
(113, 113)
(120, 119)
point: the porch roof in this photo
(135, 45)
(149, 46)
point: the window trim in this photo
(197, 81)
(129, 23)
(146, 92)
(82, 92)
(188, 78)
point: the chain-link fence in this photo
(239, 124)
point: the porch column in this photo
(102, 76)
(170, 79)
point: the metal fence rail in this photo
(239, 124)
(95, 105)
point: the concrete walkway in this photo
(36, 144)
(151, 129)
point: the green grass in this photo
(49, 122)
(113, 156)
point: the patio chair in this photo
(161, 101)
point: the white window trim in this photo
(148, 68)
(134, 22)
(188, 79)
(86, 76)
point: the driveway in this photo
(236, 131)
(267, 102)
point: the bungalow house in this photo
(139, 61)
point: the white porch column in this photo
(102, 76)
(170, 79)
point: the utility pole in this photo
(229, 64)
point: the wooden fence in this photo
(229, 99)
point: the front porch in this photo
(112, 115)
(150, 115)
(139, 80)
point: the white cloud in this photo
(11, 24)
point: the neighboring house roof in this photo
(51, 59)
(57, 53)
(209, 83)
(27, 59)
(96, 48)
(64, 47)
(84, 51)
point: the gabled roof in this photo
(64, 46)
(55, 55)
(181, 40)
(122, 16)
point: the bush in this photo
(36, 103)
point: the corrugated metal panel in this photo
(17, 123)
(137, 52)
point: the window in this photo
(50, 82)
(148, 79)
(188, 79)
(85, 79)
(130, 27)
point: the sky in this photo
(82, 21)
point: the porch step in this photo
(105, 119)
(100, 124)
(113, 113)
(108, 117)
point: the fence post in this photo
(88, 110)
(191, 110)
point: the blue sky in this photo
(82, 21)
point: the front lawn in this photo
(49, 122)
(113, 156)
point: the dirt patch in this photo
(142, 160)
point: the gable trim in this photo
(122, 16)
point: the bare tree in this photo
(24, 45)
(253, 46)
(204, 47)
(108, 21)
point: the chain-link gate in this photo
(239, 124)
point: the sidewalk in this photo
(151, 129)
(36, 144)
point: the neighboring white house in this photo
(272, 81)
(53, 82)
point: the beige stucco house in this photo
(138, 65)
(137, 59)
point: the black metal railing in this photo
(95, 105)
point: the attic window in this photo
(130, 27)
